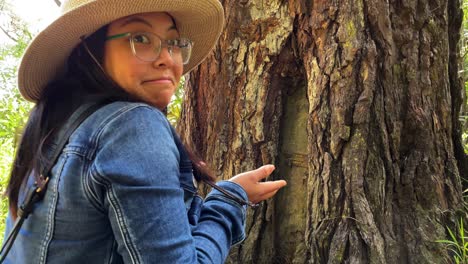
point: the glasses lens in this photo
(147, 47)
(181, 49)
(185, 46)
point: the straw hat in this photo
(46, 56)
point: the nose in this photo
(164, 59)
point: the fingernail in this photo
(270, 167)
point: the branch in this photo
(8, 34)
(58, 2)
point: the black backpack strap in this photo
(63, 136)
(37, 191)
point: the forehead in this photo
(151, 20)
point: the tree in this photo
(357, 104)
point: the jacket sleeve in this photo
(137, 165)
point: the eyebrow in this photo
(136, 20)
(142, 21)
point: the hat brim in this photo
(45, 58)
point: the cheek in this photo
(122, 69)
(109, 59)
(178, 72)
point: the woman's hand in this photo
(258, 191)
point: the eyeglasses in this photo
(147, 46)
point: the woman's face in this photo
(153, 82)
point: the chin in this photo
(159, 105)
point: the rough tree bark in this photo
(356, 102)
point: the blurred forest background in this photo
(14, 109)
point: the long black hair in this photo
(84, 80)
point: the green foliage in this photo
(458, 243)
(13, 109)
(465, 138)
(464, 74)
(175, 107)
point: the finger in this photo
(263, 172)
(271, 186)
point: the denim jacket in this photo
(122, 191)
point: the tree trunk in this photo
(356, 103)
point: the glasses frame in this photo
(164, 44)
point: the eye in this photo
(172, 42)
(141, 38)
(181, 43)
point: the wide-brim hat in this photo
(46, 56)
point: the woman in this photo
(121, 190)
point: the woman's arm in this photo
(137, 164)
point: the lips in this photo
(161, 80)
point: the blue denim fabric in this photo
(122, 192)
